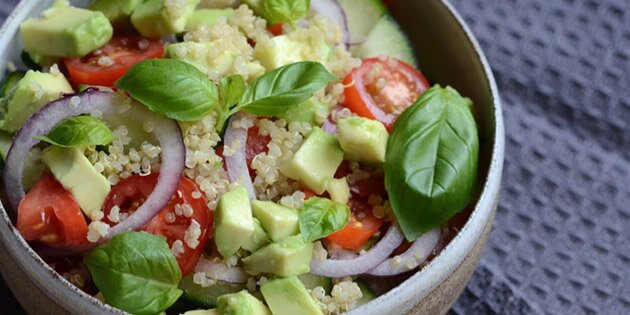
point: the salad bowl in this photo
(447, 52)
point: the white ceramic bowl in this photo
(448, 54)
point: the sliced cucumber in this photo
(361, 16)
(10, 81)
(387, 39)
(368, 294)
(206, 297)
(312, 281)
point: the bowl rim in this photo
(417, 286)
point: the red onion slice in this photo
(412, 258)
(363, 263)
(218, 270)
(236, 162)
(331, 9)
(168, 135)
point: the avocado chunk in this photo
(288, 296)
(155, 18)
(283, 50)
(207, 17)
(31, 93)
(202, 312)
(241, 303)
(233, 224)
(75, 173)
(306, 112)
(117, 11)
(198, 55)
(339, 190)
(288, 257)
(278, 221)
(257, 240)
(362, 139)
(65, 31)
(311, 281)
(314, 164)
(10, 82)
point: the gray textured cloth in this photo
(561, 241)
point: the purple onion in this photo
(419, 251)
(237, 168)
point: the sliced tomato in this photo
(107, 64)
(174, 221)
(49, 214)
(256, 144)
(276, 29)
(360, 228)
(381, 89)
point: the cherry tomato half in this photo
(107, 64)
(381, 89)
(360, 228)
(174, 222)
(49, 214)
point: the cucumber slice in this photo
(312, 281)
(387, 39)
(368, 294)
(206, 297)
(10, 81)
(361, 16)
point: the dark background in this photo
(561, 239)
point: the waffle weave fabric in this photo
(561, 239)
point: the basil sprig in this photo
(79, 131)
(321, 217)
(284, 11)
(431, 161)
(136, 272)
(171, 87)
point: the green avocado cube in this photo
(288, 257)
(65, 31)
(314, 164)
(283, 50)
(339, 190)
(207, 17)
(257, 240)
(202, 312)
(155, 18)
(233, 224)
(288, 296)
(306, 112)
(29, 95)
(278, 221)
(241, 303)
(362, 139)
(117, 11)
(77, 175)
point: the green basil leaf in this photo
(171, 87)
(79, 131)
(136, 272)
(232, 89)
(321, 217)
(277, 91)
(431, 161)
(284, 11)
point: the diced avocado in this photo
(278, 221)
(155, 18)
(339, 190)
(312, 281)
(257, 240)
(64, 30)
(197, 54)
(241, 303)
(362, 139)
(288, 296)
(202, 312)
(206, 297)
(77, 175)
(233, 224)
(288, 257)
(207, 17)
(368, 294)
(306, 112)
(10, 82)
(43, 61)
(35, 90)
(117, 11)
(314, 164)
(283, 50)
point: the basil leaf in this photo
(284, 11)
(431, 161)
(136, 272)
(321, 217)
(277, 91)
(232, 89)
(171, 87)
(79, 131)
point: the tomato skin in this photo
(124, 52)
(403, 84)
(256, 144)
(276, 29)
(360, 228)
(49, 214)
(131, 192)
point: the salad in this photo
(214, 157)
